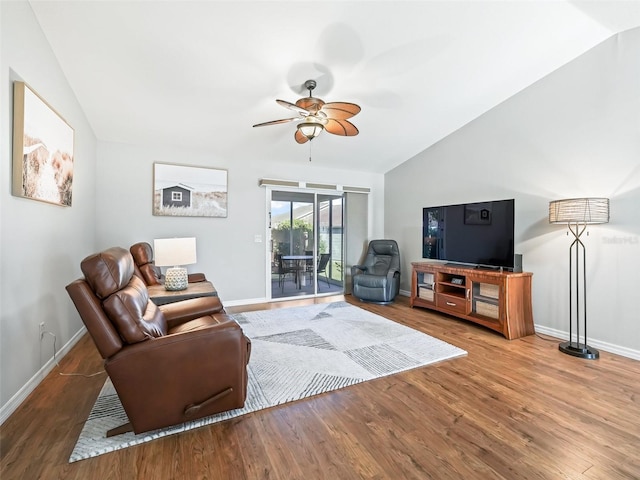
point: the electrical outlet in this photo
(41, 327)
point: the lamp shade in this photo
(174, 251)
(310, 128)
(579, 210)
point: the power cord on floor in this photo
(547, 339)
(58, 365)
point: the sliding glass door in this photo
(305, 247)
(330, 240)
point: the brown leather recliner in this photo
(145, 268)
(168, 364)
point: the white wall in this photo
(575, 133)
(39, 243)
(227, 252)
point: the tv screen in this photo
(478, 234)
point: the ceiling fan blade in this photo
(276, 122)
(300, 138)
(341, 127)
(341, 110)
(292, 106)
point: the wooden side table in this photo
(160, 296)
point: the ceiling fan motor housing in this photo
(310, 85)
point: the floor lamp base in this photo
(579, 350)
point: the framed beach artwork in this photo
(42, 149)
(184, 191)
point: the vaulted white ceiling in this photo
(199, 74)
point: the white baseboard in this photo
(559, 334)
(247, 301)
(253, 301)
(595, 343)
(15, 401)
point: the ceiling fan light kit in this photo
(318, 116)
(310, 128)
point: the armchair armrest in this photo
(185, 310)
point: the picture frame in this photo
(477, 214)
(43, 149)
(187, 191)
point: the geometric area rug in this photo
(296, 352)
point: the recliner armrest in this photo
(392, 273)
(196, 277)
(355, 268)
(179, 312)
(217, 331)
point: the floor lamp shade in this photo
(175, 252)
(584, 211)
(577, 213)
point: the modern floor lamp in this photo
(577, 213)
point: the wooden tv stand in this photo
(497, 300)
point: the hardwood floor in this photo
(509, 410)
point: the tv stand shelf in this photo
(495, 299)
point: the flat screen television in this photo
(477, 234)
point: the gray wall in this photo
(226, 250)
(39, 243)
(574, 133)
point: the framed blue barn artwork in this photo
(186, 191)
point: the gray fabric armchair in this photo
(378, 278)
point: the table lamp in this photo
(175, 252)
(577, 213)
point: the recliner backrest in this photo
(108, 271)
(102, 331)
(382, 256)
(143, 263)
(136, 317)
(124, 296)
